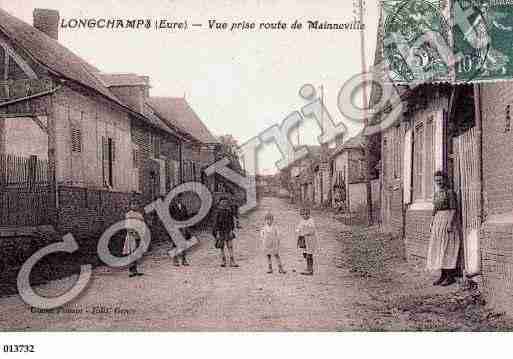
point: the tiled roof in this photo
(356, 142)
(64, 63)
(51, 54)
(155, 120)
(179, 114)
(112, 80)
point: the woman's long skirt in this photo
(444, 244)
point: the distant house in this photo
(300, 177)
(349, 168)
(194, 155)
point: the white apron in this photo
(444, 244)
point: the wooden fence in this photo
(24, 191)
(20, 171)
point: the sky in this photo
(239, 83)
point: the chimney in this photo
(47, 21)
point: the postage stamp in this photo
(454, 41)
(410, 59)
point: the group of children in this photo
(223, 232)
(306, 241)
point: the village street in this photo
(205, 296)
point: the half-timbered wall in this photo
(17, 74)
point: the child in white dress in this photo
(271, 242)
(132, 239)
(307, 239)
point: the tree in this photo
(229, 143)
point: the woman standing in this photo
(444, 244)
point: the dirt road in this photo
(205, 296)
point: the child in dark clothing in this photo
(179, 213)
(224, 226)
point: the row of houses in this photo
(463, 130)
(77, 143)
(333, 178)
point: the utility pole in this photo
(365, 104)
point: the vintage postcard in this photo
(255, 166)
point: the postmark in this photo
(428, 41)
(498, 17)
(410, 58)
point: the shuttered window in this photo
(397, 152)
(418, 164)
(76, 139)
(429, 156)
(135, 156)
(425, 151)
(407, 169)
(156, 144)
(384, 166)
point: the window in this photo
(429, 157)
(397, 152)
(135, 156)
(194, 171)
(418, 164)
(155, 146)
(362, 168)
(108, 159)
(385, 157)
(507, 123)
(175, 173)
(76, 140)
(423, 160)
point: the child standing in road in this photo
(224, 226)
(132, 240)
(271, 242)
(307, 239)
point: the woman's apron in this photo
(444, 244)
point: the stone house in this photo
(322, 178)
(303, 177)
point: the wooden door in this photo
(467, 183)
